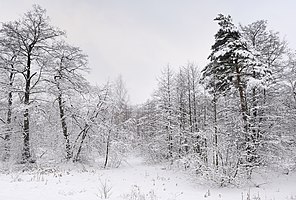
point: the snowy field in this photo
(133, 181)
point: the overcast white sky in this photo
(137, 38)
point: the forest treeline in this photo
(221, 121)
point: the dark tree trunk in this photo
(169, 126)
(7, 136)
(254, 123)
(181, 124)
(243, 102)
(254, 112)
(64, 127)
(248, 143)
(107, 150)
(204, 151)
(215, 153)
(170, 145)
(84, 134)
(190, 110)
(261, 114)
(26, 154)
(194, 103)
(170, 136)
(195, 125)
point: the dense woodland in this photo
(221, 121)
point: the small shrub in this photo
(136, 194)
(105, 189)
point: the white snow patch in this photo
(136, 181)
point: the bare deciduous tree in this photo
(31, 36)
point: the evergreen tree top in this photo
(225, 22)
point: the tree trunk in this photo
(189, 111)
(215, 153)
(64, 127)
(248, 146)
(194, 100)
(181, 124)
(169, 126)
(170, 145)
(255, 122)
(81, 143)
(107, 150)
(243, 102)
(26, 154)
(7, 136)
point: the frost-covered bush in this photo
(117, 153)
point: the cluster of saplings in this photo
(234, 116)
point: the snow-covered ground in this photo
(132, 181)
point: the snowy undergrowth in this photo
(135, 181)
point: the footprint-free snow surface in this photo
(134, 180)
